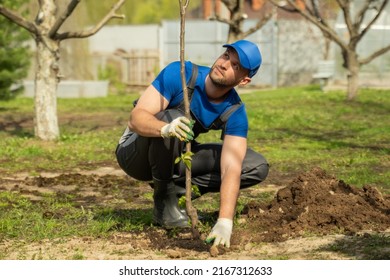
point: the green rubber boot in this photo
(166, 211)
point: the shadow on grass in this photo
(19, 126)
(6, 109)
(362, 247)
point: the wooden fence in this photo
(139, 67)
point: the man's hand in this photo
(180, 127)
(221, 232)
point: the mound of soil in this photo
(315, 202)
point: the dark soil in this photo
(317, 203)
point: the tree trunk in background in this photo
(236, 21)
(353, 76)
(45, 30)
(358, 18)
(234, 34)
(46, 77)
(237, 18)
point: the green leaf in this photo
(177, 160)
(186, 158)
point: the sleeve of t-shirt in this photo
(168, 83)
(237, 124)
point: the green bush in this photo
(14, 53)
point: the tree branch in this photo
(316, 11)
(230, 5)
(19, 20)
(374, 55)
(379, 12)
(220, 19)
(328, 32)
(360, 14)
(68, 11)
(87, 33)
(284, 7)
(345, 7)
(258, 25)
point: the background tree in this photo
(237, 18)
(140, 12)
(359, 16)
(45, 29)
(14, 53)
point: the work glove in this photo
(180, 127)
(221, 232)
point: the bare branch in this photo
(374, 55)
(230, 5)
(284, 7)
(258, 25)
(309, 10)
(322, 25)
(221, 19)
(87, 33)
(379, 12)
(19, 20)
(316, 11)
(185, 5)
(345, 7)
(360, 14)
(68, 11)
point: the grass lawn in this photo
(296, 129)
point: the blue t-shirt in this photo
(168, 83)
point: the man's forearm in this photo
(145, 124)
(230, 189)
(233, 153)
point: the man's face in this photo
(227, 71)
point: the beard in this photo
(219, 80)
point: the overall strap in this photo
(192, 81)
(221, 121)
(190, 87)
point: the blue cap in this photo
(248, 54)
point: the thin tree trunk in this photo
(353, 85)
(353, 76)
(190, 209)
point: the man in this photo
(157, 131)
